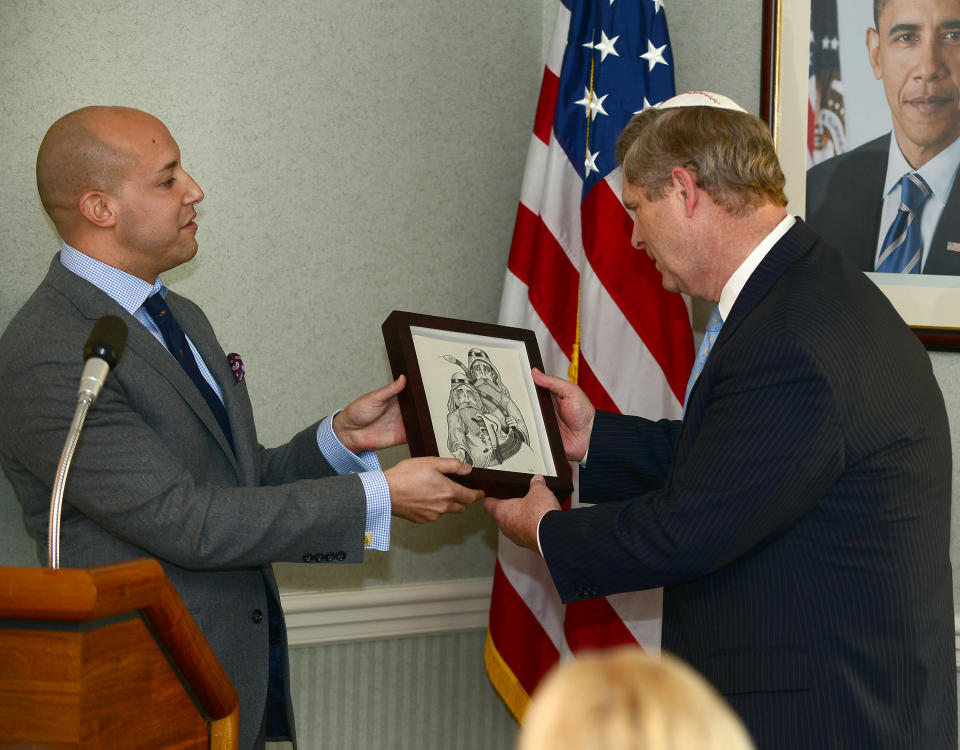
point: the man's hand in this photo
(519, 518)
(574, 410)
(420, 492)
(373, 421)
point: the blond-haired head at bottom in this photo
(623, 699)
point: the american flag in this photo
(826, 124)
(596, 304)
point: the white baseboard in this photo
(387, 612)
(316, 619)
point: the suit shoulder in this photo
(851, 163)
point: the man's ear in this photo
(873, 52)
(97, 208)
(685, 188)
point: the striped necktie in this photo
(903, 245)
(177, 343)
(714, 324)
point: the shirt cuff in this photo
(367, 466)
(539, 547)
(338, 456)
(377, 530)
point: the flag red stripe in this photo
(538, 260)
(519, 637)
(546, 105)
(594, 623)
(659, 317)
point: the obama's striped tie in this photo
(903, 246)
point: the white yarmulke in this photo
(701, 99)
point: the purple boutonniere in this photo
(236, 364)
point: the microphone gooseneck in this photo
(102, 352)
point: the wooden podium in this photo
(107, 658)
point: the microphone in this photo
(101, 352)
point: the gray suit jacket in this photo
(154, 476)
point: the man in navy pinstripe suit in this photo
(798, 517)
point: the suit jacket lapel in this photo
(236, 404)
(91, 302)
(866, 202)
(940, 260)
(795, 243)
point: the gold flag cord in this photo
(573, 370)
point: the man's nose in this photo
(930, 65)
(195, 193)
(636, 238)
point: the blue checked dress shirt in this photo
(130, 293)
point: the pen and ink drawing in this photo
(485, 427)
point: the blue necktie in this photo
(903, 245)
(714, 324)
(177, 343)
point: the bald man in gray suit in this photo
(168, 466)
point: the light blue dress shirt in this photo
(131, 292)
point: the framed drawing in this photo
(470, 395)
(833, 126)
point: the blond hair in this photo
(730, 154)
(623, 699)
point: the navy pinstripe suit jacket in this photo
(798, 518)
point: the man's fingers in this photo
(551, 382)
(537, 480)
(387, 392)
(451, 466)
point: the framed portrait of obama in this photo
(470, 395)
(875, 85)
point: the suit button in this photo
(341, 556)
(329, 557)
(308, 557)
(256, 616)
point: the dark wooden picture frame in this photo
(930, 309)
(414, 343)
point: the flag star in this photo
(592, 104)
(590, 163)
(645, 105)
(657, 5)
(606, 46)
(653, 55)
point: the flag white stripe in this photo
(641, 612)
(559, 208)
(619, 358)
(531, 190)
(515, 309)
(528, 574)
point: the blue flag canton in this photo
(617, 61)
